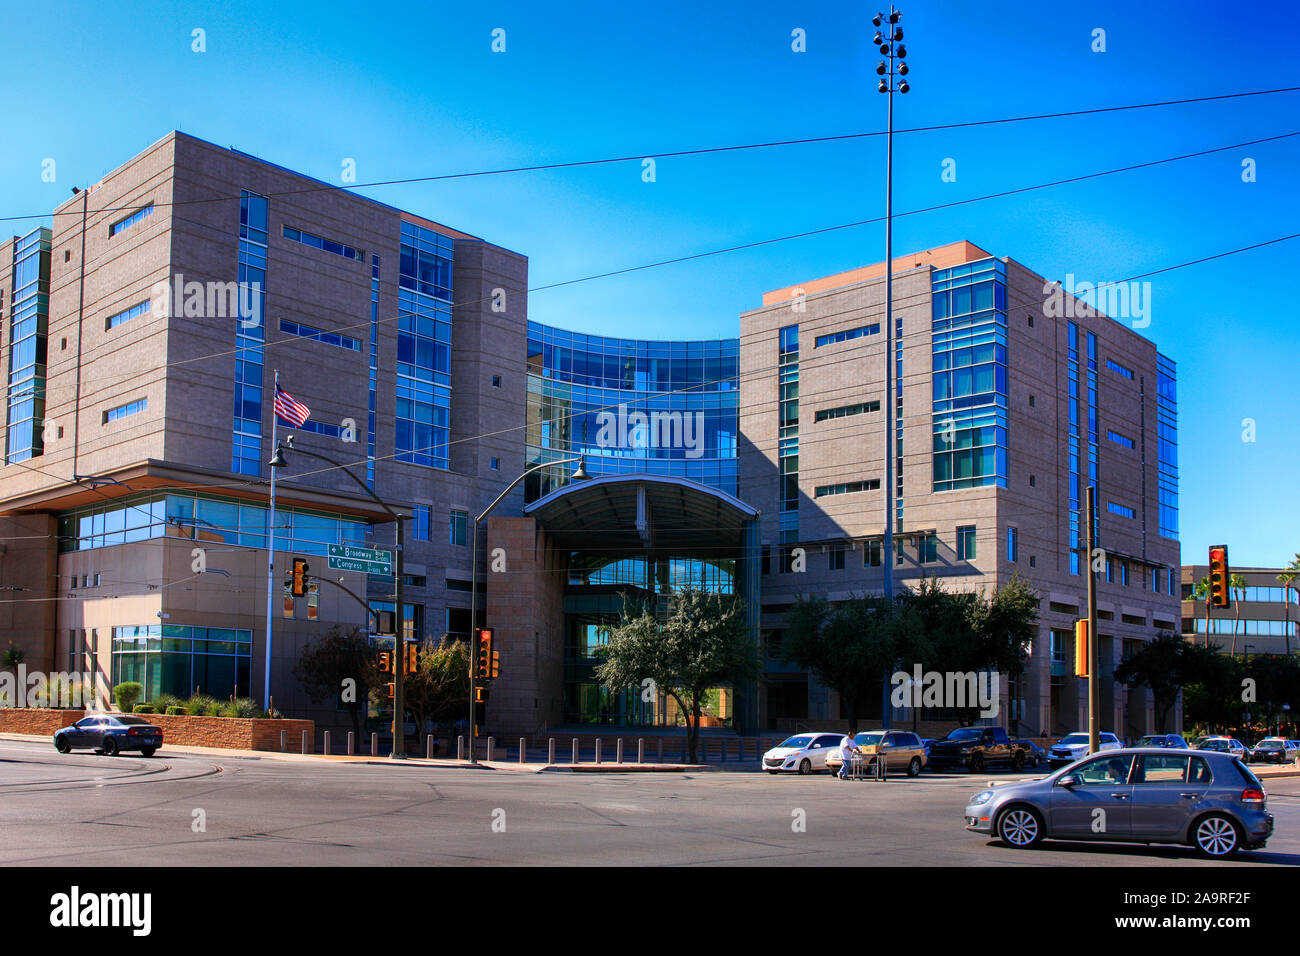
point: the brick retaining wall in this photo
(234, 733)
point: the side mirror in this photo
(1068, 781)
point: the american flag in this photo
(289, 409)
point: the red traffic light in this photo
(1219, 576)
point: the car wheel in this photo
(148, 751)
(1020, 827)
(976, 764)
(914, 767)
(1216, 836)
(772, 772)
(805, 766)
(1018, 761)
(61, 744)
(110, 746)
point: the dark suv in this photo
(110, 734)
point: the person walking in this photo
(847, 750)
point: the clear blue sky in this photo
(409, 89)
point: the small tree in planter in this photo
(127, 694)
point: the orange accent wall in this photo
(940, 257)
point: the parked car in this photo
(1074, 747)
(1275, 750)
(1204, 799)
(1195, 742)
(1162, 740)
(1229, 745)
(978, 748)
(802, 753)
(110, 734)
(1035, 756)
(903, 751)
(926, 742)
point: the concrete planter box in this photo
(234, 733)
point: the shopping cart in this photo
(867, 767)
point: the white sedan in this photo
(803, 753)
(1074, 747)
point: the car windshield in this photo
(1074, 739)
(1270, 743)
(797, 743)
(868, 740)
(964, 733)
(131, 720)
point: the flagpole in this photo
(270, 563)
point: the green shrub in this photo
(175, 710)
(127, 694)
(240, 707)
(166, 701)
(145, 709)
(200, 705)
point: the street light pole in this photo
(579, 475)
(888, 40)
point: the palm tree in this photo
(1287, 578)
(1201, 591)
(1237, 588)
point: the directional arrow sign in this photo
(347, 557)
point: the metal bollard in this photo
(304, 742)
(284, 741)
(523, 750)
(460, 747)
(428, 747)
(374, 745)
(575, 750)
(640, 750)
(619, 750)
(661, 750)
(597, 750)
(352, 744)
(492, 743)
(327, 743)
(550, 751)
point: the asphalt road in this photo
(89, 810)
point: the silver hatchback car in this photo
(1207, 800)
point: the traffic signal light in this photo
(478, 695)
(485, 653)
(1219, 575)
(496, 665)
(385, 623)
(385, 662)
(412, 658)
(1082, 652)
(299, 577)
(391, 691)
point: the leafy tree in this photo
(1004, 626)
(850, 645)
(1166, 665)
(438, 688)
(1214, 701)
(703, 642)
(1201, 591)
(327, 662)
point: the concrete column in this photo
(619, 747)
(460, 747)
(523, 750)
(661, 750)
(304, 743)
(284, 741)
(575, 751)
(327, 743)
(597, 750)
(640, 750)
(374, 745)
(550, 751)
(491, 745)
(352, 744)
(428, 747)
